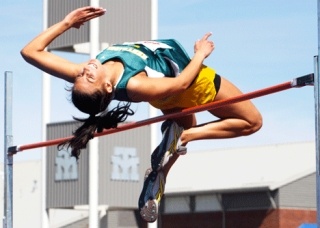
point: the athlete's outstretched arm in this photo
(35, 52)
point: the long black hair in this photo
(100, 118)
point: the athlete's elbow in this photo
(184, 86)
(29, 55)
(25, 53)
(181, 83)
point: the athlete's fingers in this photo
(206, 36)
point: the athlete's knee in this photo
(255, 123)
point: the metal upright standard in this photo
(317, 119)
(8, 158)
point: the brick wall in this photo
(284, 218)
(191, 220)
(294, 217)
(252, 219)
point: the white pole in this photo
(93, 183)
(45, 120)
(152, 110)
(94, 143)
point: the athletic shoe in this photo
(171, 133)
(182, 150)
(150, 197)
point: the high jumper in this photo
(159, 72)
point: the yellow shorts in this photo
(201, 91)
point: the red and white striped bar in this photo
(295, 83)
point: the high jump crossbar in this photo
(295, 83)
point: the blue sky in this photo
(258, 44)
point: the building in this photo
(267, 186)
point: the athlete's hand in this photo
(81, 15)
(204, 46)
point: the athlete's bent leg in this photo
(235, 120)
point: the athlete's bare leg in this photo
(235, 120)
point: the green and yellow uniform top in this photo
(160, 58)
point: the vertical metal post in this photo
(317, 136)
(45, 120)
(152, 110)
(94, 220)
(8, 159)
(317, 119)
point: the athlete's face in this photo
(92, 78)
